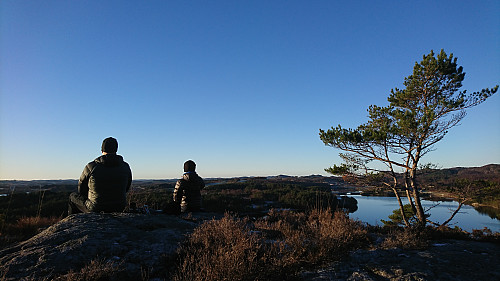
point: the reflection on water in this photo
(490, 211)
(372, 209)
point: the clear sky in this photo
(240, 87)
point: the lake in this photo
(372, 209)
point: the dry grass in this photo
(25, 228)
(405, 238)
(96, 270)
(31, 225)
(219, 250)
(274, 248)
(314, 238)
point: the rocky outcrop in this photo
(443, 260)
(137, 242)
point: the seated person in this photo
(187, 189)
(104, 183)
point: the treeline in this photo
(248, 197)
(40, 203)
(258, 195)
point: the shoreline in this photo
(426, 194)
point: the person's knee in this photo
(77, 202)
(73, 196)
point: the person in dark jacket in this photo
(187, 189)
(104, 183)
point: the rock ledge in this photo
(135, 241)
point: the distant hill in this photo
(446, 177)
(428, 179)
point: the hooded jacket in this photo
(187, 191)
(105, 182)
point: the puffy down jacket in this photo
(105, 182)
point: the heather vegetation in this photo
(276, 247)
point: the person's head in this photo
(109, 146)
(189, 166)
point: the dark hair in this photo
(109, 145)
(189, 166)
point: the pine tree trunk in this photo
(401, 207)
(416, 196)
(408, 194)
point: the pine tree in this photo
(401, 133)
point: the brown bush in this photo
(445, 232)
(405, 238)
(318, 237)
(273, 248)
(220, 250)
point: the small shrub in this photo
(396, 219)
(485, 234)
(220, 250)
(318, 237)
(406, 238)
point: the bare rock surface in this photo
(138, 242)
(443, 260)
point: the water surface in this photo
(372, 209)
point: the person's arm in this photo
(83, 182)
(178, 191)
(202, 183)
(129, 179)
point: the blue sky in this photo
(240, 87)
